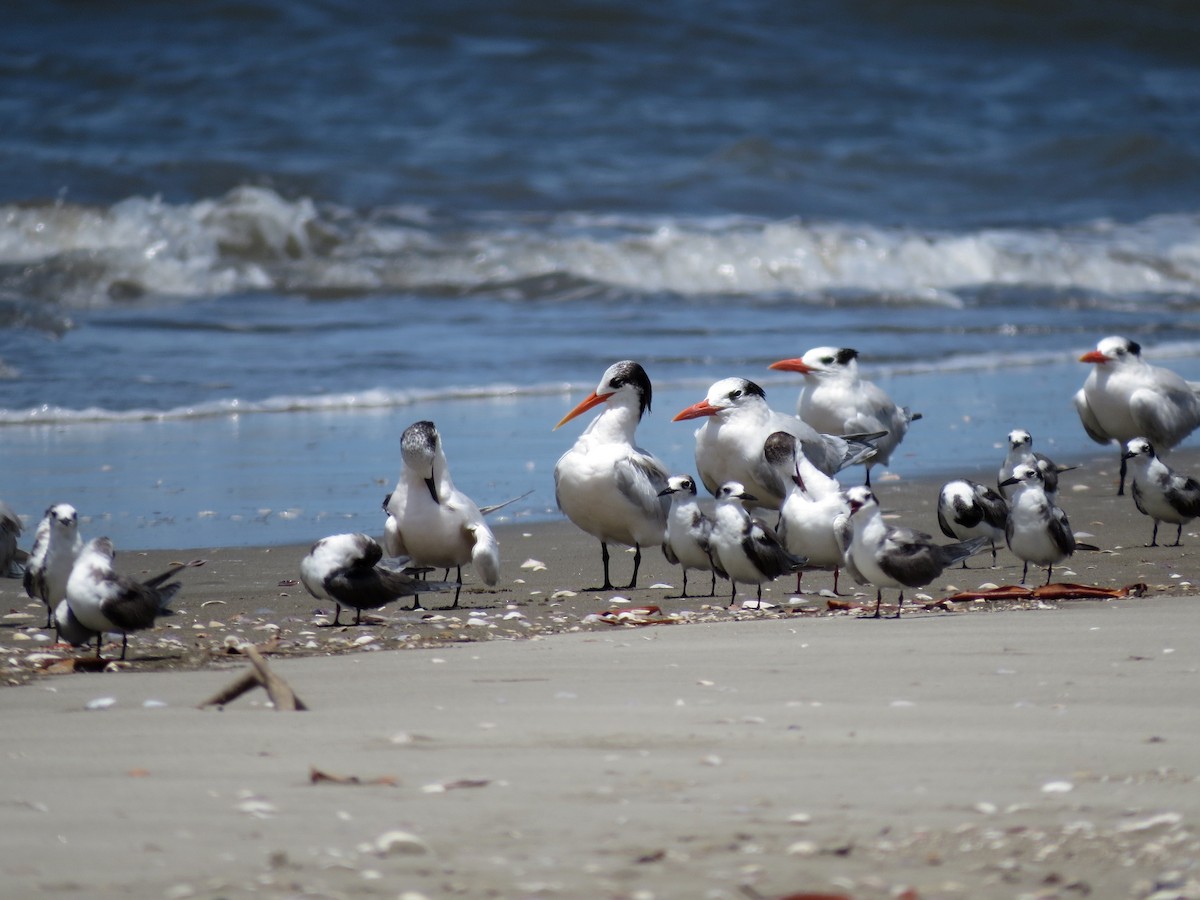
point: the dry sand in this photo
(528, 749)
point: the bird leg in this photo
(608, 585)
(1024, 572)
(1178, 535)
(878, 602)
(637, 562)
(732, 592)
(799, 576)
(1154, 535)
(836, 571)
(457, 587)
(900, 604)
(1049, 572)
(124, 645)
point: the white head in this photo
(1025, 476)
(725, 395)
(63, 519)
(822, 362)
(1114, 349)
(683, 485)
(734, 492)
(1139, 450)
(861, 497)
(1019, 438)
(624, 379)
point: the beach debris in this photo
(440, 787)
(256, 806)
(319, 776)
(397, 843)
(635, 615)
(1057, 787)
(260, 675)
(534, 565)
(1056, 591)
(100, 703)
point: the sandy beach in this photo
(529, 745)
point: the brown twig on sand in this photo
(281, 694)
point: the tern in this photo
(810, 512)
(1125, 397)
(102, 600)
(738, 421)
(1159, 492)
(968, 509)
(10, 530)
(688, 541)
(837, 400)
(431, 521)
(746, 547)
(890, 556)
(1037, 530)
(56, 544)
(346, 568)
(1021, 452)
(606, 484)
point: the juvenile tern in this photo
(346, 568)
(968, 509)
(837, 400)
(688, 541)
(746, 547)
(56, 544)
(1159, 492)
(607, 485)
(891, 556)
(1125, 397)
(103, 600)
(810, 512)
(1021, 452)
(432, 522)
(738, 421)
(1037, 530)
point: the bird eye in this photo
(827, 360)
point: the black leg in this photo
(607, 586)
(836, 571)
(732, 592)
(1154, 535)
(457, 587)
(878, 602)
(1178, 535)
(357, 616)
(637, 564)
(684, 593)
(900, 605)
(1121, 486)
(1024, 572)
(1049, 572)
(124, 644)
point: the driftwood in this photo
(281, 694)
(1057, 591)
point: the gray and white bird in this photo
(738, 421)
(1158, 491)
(1125, 397)
(810, 512)
(746, 548)
(348, 570)
(1037, 530)
(70, 629)
(606, 484)
(688, 541)
(103, 600)
(968, 509)
(10, 530)
(837, 400)
(431, 521)
(893, 556)
(56, 544)
(1020, 452)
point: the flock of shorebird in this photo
(748, 456)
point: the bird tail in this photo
(165, 594)
(963, 549)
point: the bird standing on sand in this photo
(1021, 453)
(56, 544)
(606, 484)
(968, 509)
(102, 600)
(1125, 397)
(745, 547)
(890, 556)
(10, 530)
(1159, 492)
(688, 541)
(837, 400)
(808, 518)
(1037, 530)
(738, 421)
(431, 521)
(345, 568)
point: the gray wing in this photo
(370, 587)
(640, 478)
(1090, 423)
(1060, 531)
(132, 606)
(762, 546)
(1185, 494)
(910, 557)
(1165, 424)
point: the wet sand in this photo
(529, 747)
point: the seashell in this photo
(396, 843)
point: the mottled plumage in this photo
(1159, 492)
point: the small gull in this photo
(1158, 491)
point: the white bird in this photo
(102, 600)
(968, 509)
(1159, 492)
(56, 544)
(1125, 397)
(346, 568)
(10, 530)
(431, 521)
(837, 400)
(70, 629)
(738, 421)
(606, 484)
(810, 512)
(1021, 453)
(745, 547)
(688, 541)
(891, 556)
(1037, 530)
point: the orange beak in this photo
(592, 400)
(1094, 356)
(696, 410)
(790, 365)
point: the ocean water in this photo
(244, 244)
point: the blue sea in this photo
(244, 243)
